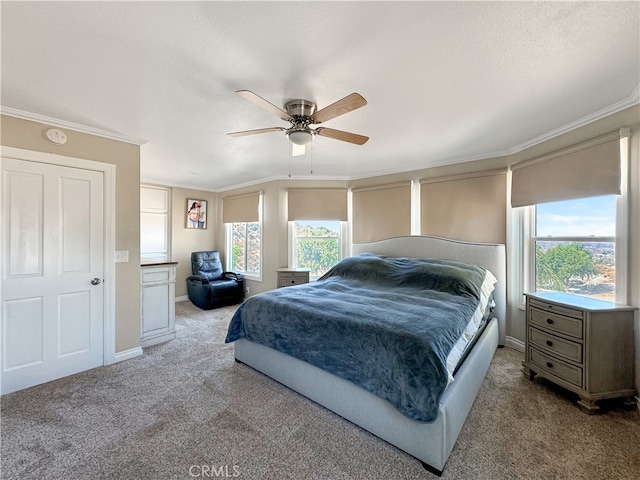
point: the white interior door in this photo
(52, 272)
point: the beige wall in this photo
(187, 240)
(29, 135)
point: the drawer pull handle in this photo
(549, 364)
(549, 343)
(549, 321)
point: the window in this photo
(572, 232)
(244, 243)
(242, 215)
(573, 247)
(316, 245)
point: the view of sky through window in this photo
(577, 218)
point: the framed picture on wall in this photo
(196, 213)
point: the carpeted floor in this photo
(186, 410)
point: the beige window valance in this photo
(317, 204)
(381, 211)
(241, 208)
(587, 169)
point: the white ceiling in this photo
(445, 81)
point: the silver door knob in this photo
(95, 281)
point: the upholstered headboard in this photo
(488, 255)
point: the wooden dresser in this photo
(582, 344)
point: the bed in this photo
(428, 435)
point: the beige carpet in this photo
(186, 410)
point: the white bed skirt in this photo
(430, 442)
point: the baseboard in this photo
(182, 298)
(127, 354)
(514, 343)
(157, 339)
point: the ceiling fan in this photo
(301, 114)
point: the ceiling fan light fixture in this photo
(300, 137)
(302, 113)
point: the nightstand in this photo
(292, 276)
(582, 344)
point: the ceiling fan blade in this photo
(253, 132)
(340, 135)
(262, 103)
(345, 105)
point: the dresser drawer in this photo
(293, 274)
(559, 309)
(556, 367)
(551, 321)
(287, 279)
(558, 346)
(153, 275)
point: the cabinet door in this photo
(155, 309)
(158, 305)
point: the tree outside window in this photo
(575, 247)
(316, 245)
(245, 248)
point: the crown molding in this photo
(286, 177)
(247, 184)
(632, 100)
(159, 183)
(55, 122)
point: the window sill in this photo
(253, 278)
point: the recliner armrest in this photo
(198, 278)
(233, 275)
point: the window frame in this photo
(574, 239)
(342, 242)
(229, 245)
(524, 221)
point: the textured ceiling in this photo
(445, 81)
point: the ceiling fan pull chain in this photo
(311, 157)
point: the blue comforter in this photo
(386, 324)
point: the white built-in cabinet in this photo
(158, 303)
(155, 223)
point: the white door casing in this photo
(55, 243)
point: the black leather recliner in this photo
(211, 287)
